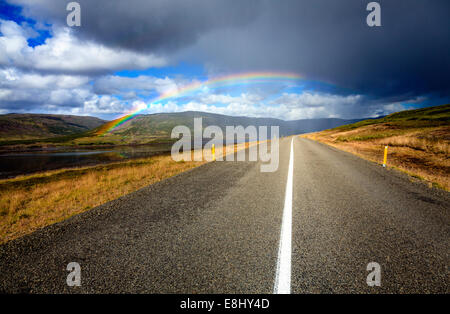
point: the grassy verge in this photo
(418, 140)
(30, 202)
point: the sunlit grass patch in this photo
(31, 202)
(418, 141)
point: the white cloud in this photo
(292, 106)
(11, 77)
(103, 105)
(62, 93)
(244, 98)
(62, 76)
(308, 105)
(53, 93)
(27, 87)
(64, 53)
(309, 99)
(113, 84)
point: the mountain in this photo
(161, 124)
(37, 129)
(38, 126)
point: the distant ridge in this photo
(46, 129)
(17, 126)
(161, 124)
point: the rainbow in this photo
(227, 80)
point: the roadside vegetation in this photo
(418, 140)
(30, 202)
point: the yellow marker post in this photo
(385, 156)
(213, 152)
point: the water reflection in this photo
(13, 164)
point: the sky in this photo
(127, 53)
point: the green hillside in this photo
(418, 142)
(424, 117)
(41, 126)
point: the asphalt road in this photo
(216, 229)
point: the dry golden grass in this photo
(30, 202)
(421, 152)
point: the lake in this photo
(17, 163)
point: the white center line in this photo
(283, 273)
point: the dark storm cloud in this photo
(147, 25)
(325, 40)
(330, 41)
